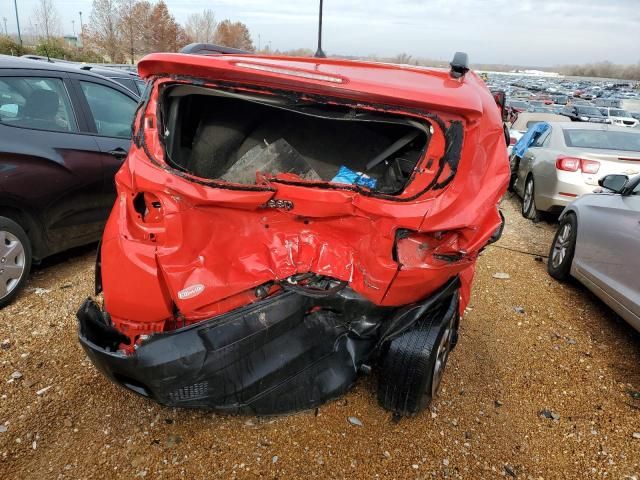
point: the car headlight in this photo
(584, 119)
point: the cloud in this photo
(492, 31)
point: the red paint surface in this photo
(228, 242)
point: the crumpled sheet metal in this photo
(218, 244)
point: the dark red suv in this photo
(283, 224)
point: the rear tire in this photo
(15, 260)
(414, 365)
(529, 201)
(563, 248)
(514, 164)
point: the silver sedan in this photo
(567, 160)
(598, 243)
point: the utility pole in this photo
(319, 52)
(6, 32)
(73, 27)
(259, 43)
(81, 30)
(15, 5)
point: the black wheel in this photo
(562, 248)
(414, 364)
(15, 259)
(528, 200)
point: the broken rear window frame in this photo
(451, 157)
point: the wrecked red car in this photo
(285, 224)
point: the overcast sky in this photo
(525, 32)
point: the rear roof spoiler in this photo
(211, 49)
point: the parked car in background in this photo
(565, 160)
(126, 77)
(64, 133)
(584, 113)
(518, 105)
(618, 116)
(597, 242)
(283, 222)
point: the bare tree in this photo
(103, 33)
(133, 22)
(201, 27)
(45, 20)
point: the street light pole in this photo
(6, 32)
(319, 52)
(15, 5)
(81, 30)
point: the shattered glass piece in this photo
(278, 157)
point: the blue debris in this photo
(528, 138)
(348, 176)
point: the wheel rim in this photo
(561, 245)
(12, 262)
(528, 196)
(441, 358)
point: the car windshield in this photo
(603, 139)
(589, 111)
(615, 112)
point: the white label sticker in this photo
(191, 291)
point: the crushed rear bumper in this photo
(286, 353)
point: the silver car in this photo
(598, 243)
(568, 159)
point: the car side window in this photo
(36, 103)
(542, 138)
(112, 110)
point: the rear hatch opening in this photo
(243, 138)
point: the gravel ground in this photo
(528, 345)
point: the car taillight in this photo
(589, 166)
(425, 250)
(573, 164)
(568, 164)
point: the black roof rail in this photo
(210, 48)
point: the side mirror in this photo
(615, 182)
(501, 100)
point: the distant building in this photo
(71, 40)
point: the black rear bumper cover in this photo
(275, 356)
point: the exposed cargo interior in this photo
(218, 134)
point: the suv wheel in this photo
(528, 200)
(562, 248)
(15, 259)
(413, 367)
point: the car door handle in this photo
(119, 153)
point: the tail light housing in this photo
(573, 164)
(428, 250)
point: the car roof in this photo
(525, 117)
(9, 62)
(413, 86)
(592, 126)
